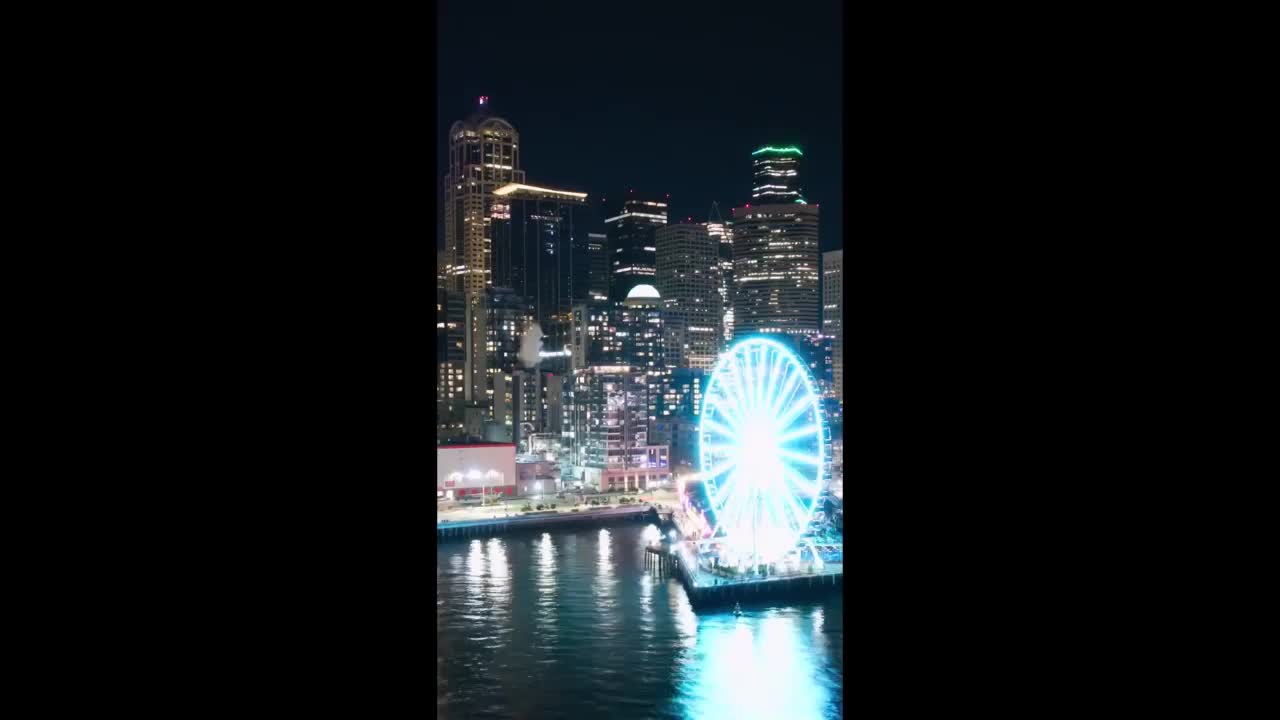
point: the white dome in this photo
(643, 291)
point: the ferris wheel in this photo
(762, 449)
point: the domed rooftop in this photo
(643, 291)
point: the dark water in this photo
(570, 624)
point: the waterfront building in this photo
(833, 315)
(688, 280)
(536, 475)
(682, 408)
(632, 248)
(475, 470)
(612, 428)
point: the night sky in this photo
(665, 98)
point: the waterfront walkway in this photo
(483, 526)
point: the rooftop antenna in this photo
(715, 213)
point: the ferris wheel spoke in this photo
(721, 408)
(797, 509)
(720, 469)
(779, 392)
(742, 374)
(783, 397)
(733, 390)
(805, 431)
(796, 457)
(762, 375)
(807, 488)
(793, 411)
(717, 427)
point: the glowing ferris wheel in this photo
(762, 444)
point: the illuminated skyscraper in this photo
(484, 155)
(597, 267)
(775, 269)
(833, 315)
(688, 280)
(722, 232)
(632, 249)
(538, 242)
(776, 175)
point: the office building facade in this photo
(722, 233)
(632, 248)
(833, 315)
(484, 155)
(540, 246)
(688, 279)
(776, 270)
(612, 426)
(776, 176)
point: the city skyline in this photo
(682, 125)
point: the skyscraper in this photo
(722, 232)
(775, 268)
(775, 251)
(688, 280)
(632, 247)
(640, 331)
(538, 242)
(833, 315)
(777, 177)
(484, 155)
(597, 267)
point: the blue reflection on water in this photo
(575, 624)
(760, 666)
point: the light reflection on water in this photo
(573, 624)
(753, 668)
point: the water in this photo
(571, 624)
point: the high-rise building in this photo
(682, 407)
(777, 179)
(594, 336)
(508, 315)
(484, 155)
(775, 270)
(688, 280)
(610, 422)
(722, 232)
(597, 267)
(632, 250)
(450, 362)
(833, 315)
(775, 251)
(640, 331)
(540, 246)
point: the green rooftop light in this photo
(800, 201)
(792, 149)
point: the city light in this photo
(513, 187)
(795, 150)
